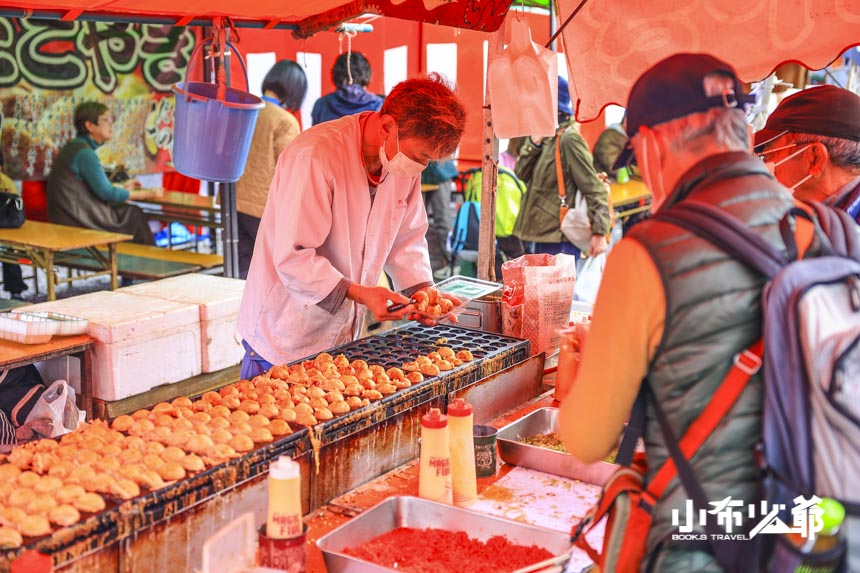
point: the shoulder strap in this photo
(728, 233)
(746, 364)
(839, 228)
(559, 173)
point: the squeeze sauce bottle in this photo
(434, 477)
(285, 503)
(463, 479)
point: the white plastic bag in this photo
(523, 87)
(588, 279)
(576, 226)
(55, 414)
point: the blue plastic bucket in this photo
(212, 136)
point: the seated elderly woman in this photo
(80, 194)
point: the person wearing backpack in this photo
(677, 317)
(812, 143)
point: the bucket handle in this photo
(188, 95)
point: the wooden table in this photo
(44, 245)
(14, 355)
(186, 208)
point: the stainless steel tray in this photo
(405, 511)
(542, 421)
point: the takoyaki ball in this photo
(114, 450)
(152, 461)
(239, 416)
(444, 365)
(299, 377)
(359, 365)
(200, 418)
(434, 357)
(446, 353)
(430, 370)
(124, 488)
(333, 396)
(364, 375)
(228, 390)
(266, 399)
(244, 386)
(179, 438)
(372, 394)
(9, 472)
(241, 428)
(395, 374)
(220, 454)
(382, 379)
(377, 369)
(48, 485)
(154, 448)
(10, 538)
(159, 434)
(41, 505)
(21, 497)
(164, 420)
(411, 366)
(140, 427)
(455, 361)
(323, 358)
(232, 401)
(5, 489)
(28, 479)
(34, 526)
(21, 457)
(346, 371)
(81, 475)
(386, 389)
(122, 423)
(221, 435)
(141, 414)
(353, 402)
(106, 465)
(193, 463)
(305, 419)
(69, 493)
(163, 408)
(42, 462)
(219, 411)
(171, 471)
(287, 415)
(11, 515)
(173, 454)
(262, 436)
(400, 384)
(198, 444)
(318, 403)
(339, 407)
(341, 361)
(258, 421)
(303, 409)
(64, 515)
(250, 395)
(415, 377)
(183, 402)
(423, 360)
(465, 355)
(90, 503)
(200, 406)
(213, 398)
(323, 414)
(368, 383)
(280, 372)
(134, 443)
(280, 428)
(242, 443)
(330, 371)
(316, 392)
(219, 423)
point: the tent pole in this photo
(230, 234)
(489, 172)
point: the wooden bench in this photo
(154, 263)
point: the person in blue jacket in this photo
(351, 75)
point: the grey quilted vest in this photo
(713, 312)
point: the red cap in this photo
(459, 408)
(435, 419)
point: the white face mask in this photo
(771, 166)
(400, 165)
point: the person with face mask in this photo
(345, 205)
(811, 143)
(673, 309)
(284, 90)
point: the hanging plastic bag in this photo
(523, 87)
(55, 414)
(588, 279)
(538, 291)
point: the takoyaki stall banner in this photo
(48, 67)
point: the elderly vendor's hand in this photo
(377, 300)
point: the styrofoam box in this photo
(218, 299)
(141, 342)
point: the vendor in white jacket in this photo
(344, 205)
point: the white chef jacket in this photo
(318, 227)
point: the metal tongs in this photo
(401, 306)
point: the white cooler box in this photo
(140, 342)
(218, 299)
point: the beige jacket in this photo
(275, 129)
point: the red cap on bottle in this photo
(459, 408)
(435, 419)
